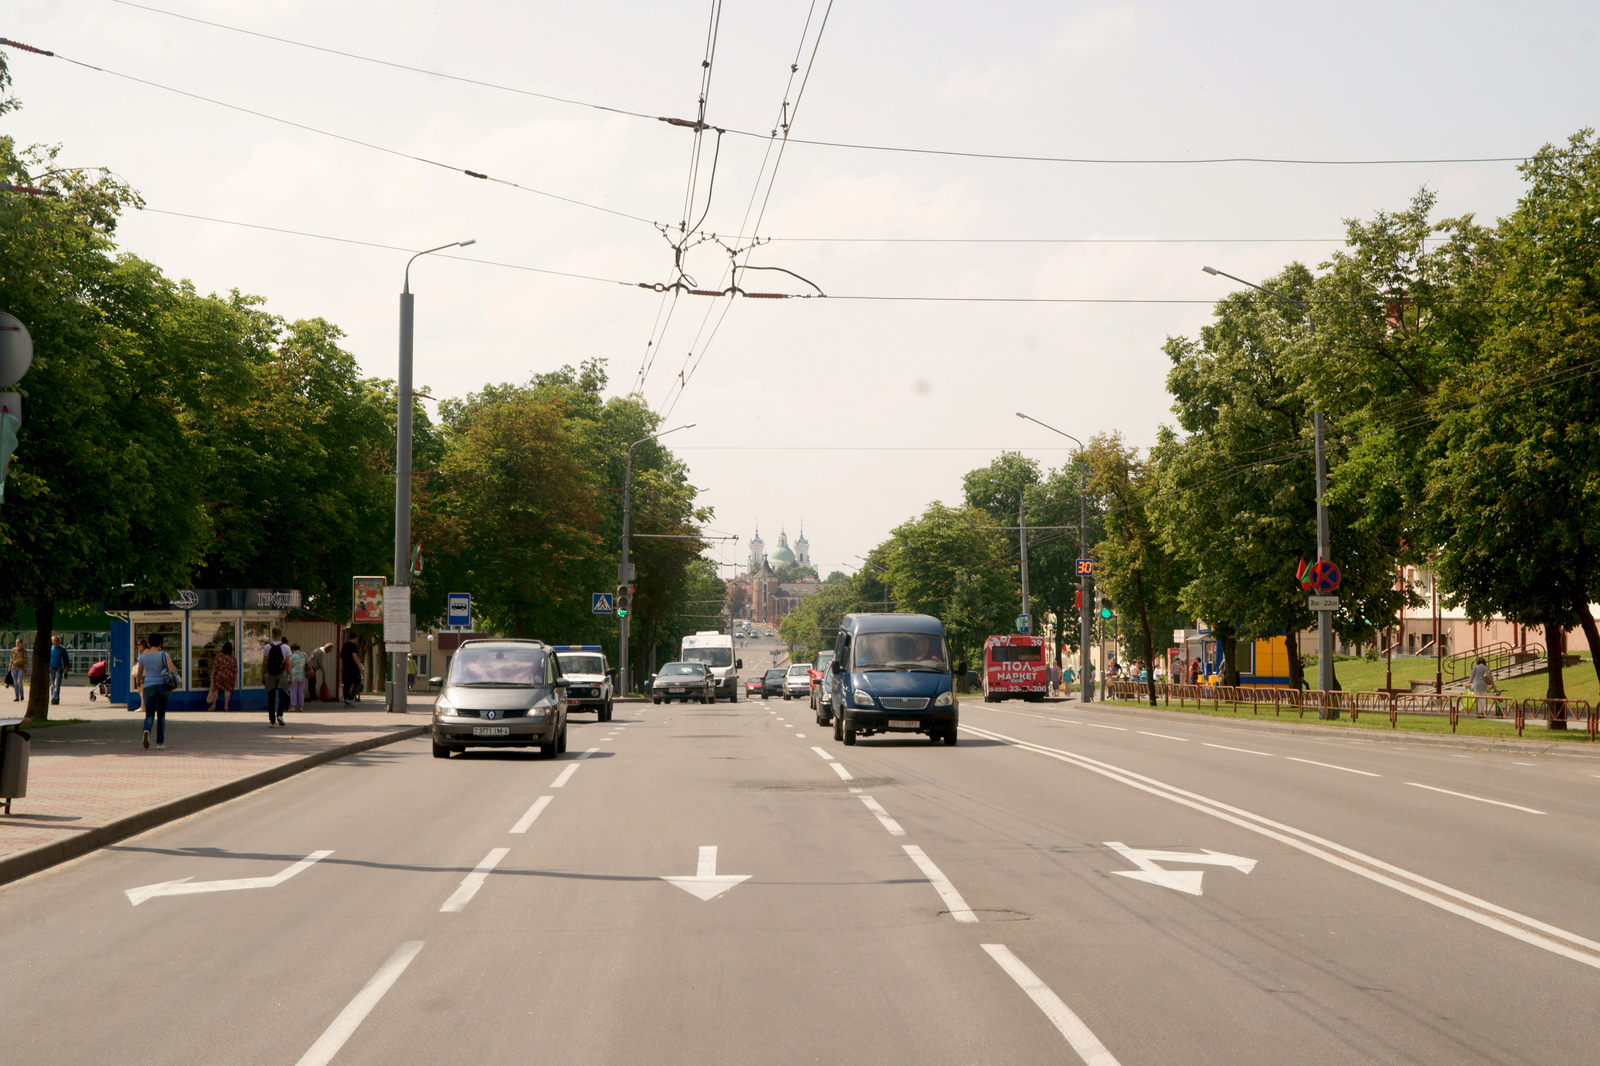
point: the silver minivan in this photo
(502, 693)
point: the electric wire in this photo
(335, 136)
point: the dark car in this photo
(684, 681)
(502, 693)
(772, 681)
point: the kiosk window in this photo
(206, 637)
(252, 650)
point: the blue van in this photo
(892, 675)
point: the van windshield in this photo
(582, 664)
(499, 667)
(710, 656)
(902, 651)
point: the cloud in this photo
(1098, 30)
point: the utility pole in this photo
(1084, 578)
(1022, 525)
(625, 572)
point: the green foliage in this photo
(794, 571)
(946, 565)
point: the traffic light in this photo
(624, 600)
(1106, 607)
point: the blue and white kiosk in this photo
(193, 627)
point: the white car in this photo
(797, 682)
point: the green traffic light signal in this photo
(1105, 612)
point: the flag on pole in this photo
(416, 558)
(1300, 576)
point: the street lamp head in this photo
(1211, 270)
(469, 240)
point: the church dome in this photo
(781, 554)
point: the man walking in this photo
(350, 665)
(60, 663)
(275, 675)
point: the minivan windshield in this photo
(582, 664)
(503, 666)
(714, 657)
(901, 651)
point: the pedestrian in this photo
(297, 687)
(275, 675)
(1067, 676)
(156, 677)
(60, 664)
(19, 667)
(1194, 671)
(1144, 673)
(411, 672)
(1482, 681)
(350, 664)
(224, 676)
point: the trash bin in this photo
(14, 744)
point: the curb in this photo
(23, 863)
(1372, 736)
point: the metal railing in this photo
(1497, 657)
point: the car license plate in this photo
(491, 731)
(679, 689)
(901, 723)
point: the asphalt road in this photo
(1301, 900)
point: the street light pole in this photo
(402, 468)
(1324, 618)
(625, 571)
(1084, 694)
(1022, 526)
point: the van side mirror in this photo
(836, 666)
(435, 682)
(738, 664)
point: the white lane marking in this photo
(1329, 765)
(1453, 755)
(474, 881)
(707, 884)
(941, 884)
(334, 1036)
(883, 816)
(1247, 751)
(855, 789)
(1189, 881)
(1097, 725)
(588, 753)
(1163, 736)
(822, 752)
(533, 812)
(800, 736)
(184, 887)
(564, 776)
(1325, 849)
(1084, 1042)
(844, 775)
(1480, 799)
(1514, 763)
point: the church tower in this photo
(758, 551)
(802, 548)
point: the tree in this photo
(794, 571)
(945, 564)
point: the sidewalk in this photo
(92, 783)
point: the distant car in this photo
(584, 666)
(797, 682)
(684, 681)
(752, 687)
(772, 681)
(501, 693)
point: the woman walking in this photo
(19, 666)
(224, 676)
(149, 675)
(297, 671)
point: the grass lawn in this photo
(1362, 676)
(1409, 723)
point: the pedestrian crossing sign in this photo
(602, 603)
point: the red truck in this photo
(1014, 667)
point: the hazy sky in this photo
(907, 395)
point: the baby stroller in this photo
(99, 681)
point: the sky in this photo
(849, 413)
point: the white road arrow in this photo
(706, 882)
(184, 887)
(1183, 880)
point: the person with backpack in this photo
(276, 676)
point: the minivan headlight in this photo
(444, 706)
(944, 699)
(864, 698)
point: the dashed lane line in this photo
(822, 752)
(1083, 1041)
(533, 813)
(1480, 799)
(473, 881)
(844, 775)
(1163, 736)
(941, 884)
(883, 816)
(1247, 751)
(564, 776)
(1331, 766)
(354, 1013)
(1097, 725)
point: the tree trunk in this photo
(1149, 646)
(44, 613)
(1557, 688)
(1228, 640)
(1297, 665)
(1591, 633)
